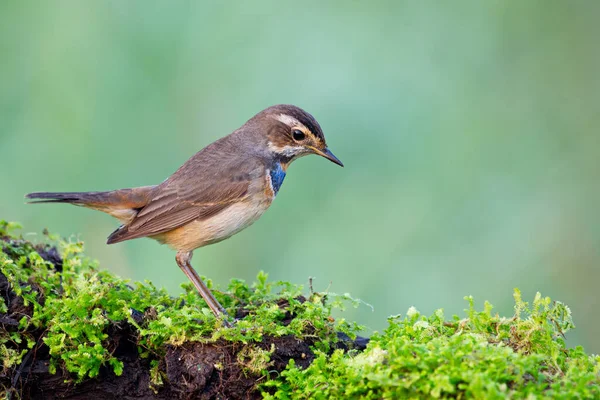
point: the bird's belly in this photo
(216, 228)
(233, 219)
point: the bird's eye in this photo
(298, 135)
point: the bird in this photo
(219, 191)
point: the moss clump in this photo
(74, 309)
(483, 356)
(60, 315)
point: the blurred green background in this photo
(469, 131)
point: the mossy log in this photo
(69, 329)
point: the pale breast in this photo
(223, 225)
(232, 219)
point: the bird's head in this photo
(293, 133)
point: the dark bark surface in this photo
(193, 371)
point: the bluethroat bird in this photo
(221, 190)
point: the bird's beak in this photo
(328, 155)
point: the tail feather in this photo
(60, 197)
(122, 204)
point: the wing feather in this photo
(193, 195)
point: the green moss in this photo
(77, 304)
(483, 356)
(480, 356)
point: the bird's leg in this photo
(183, 260)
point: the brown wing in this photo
(202, 187)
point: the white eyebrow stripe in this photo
(289, 120)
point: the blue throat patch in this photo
(277, 176)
